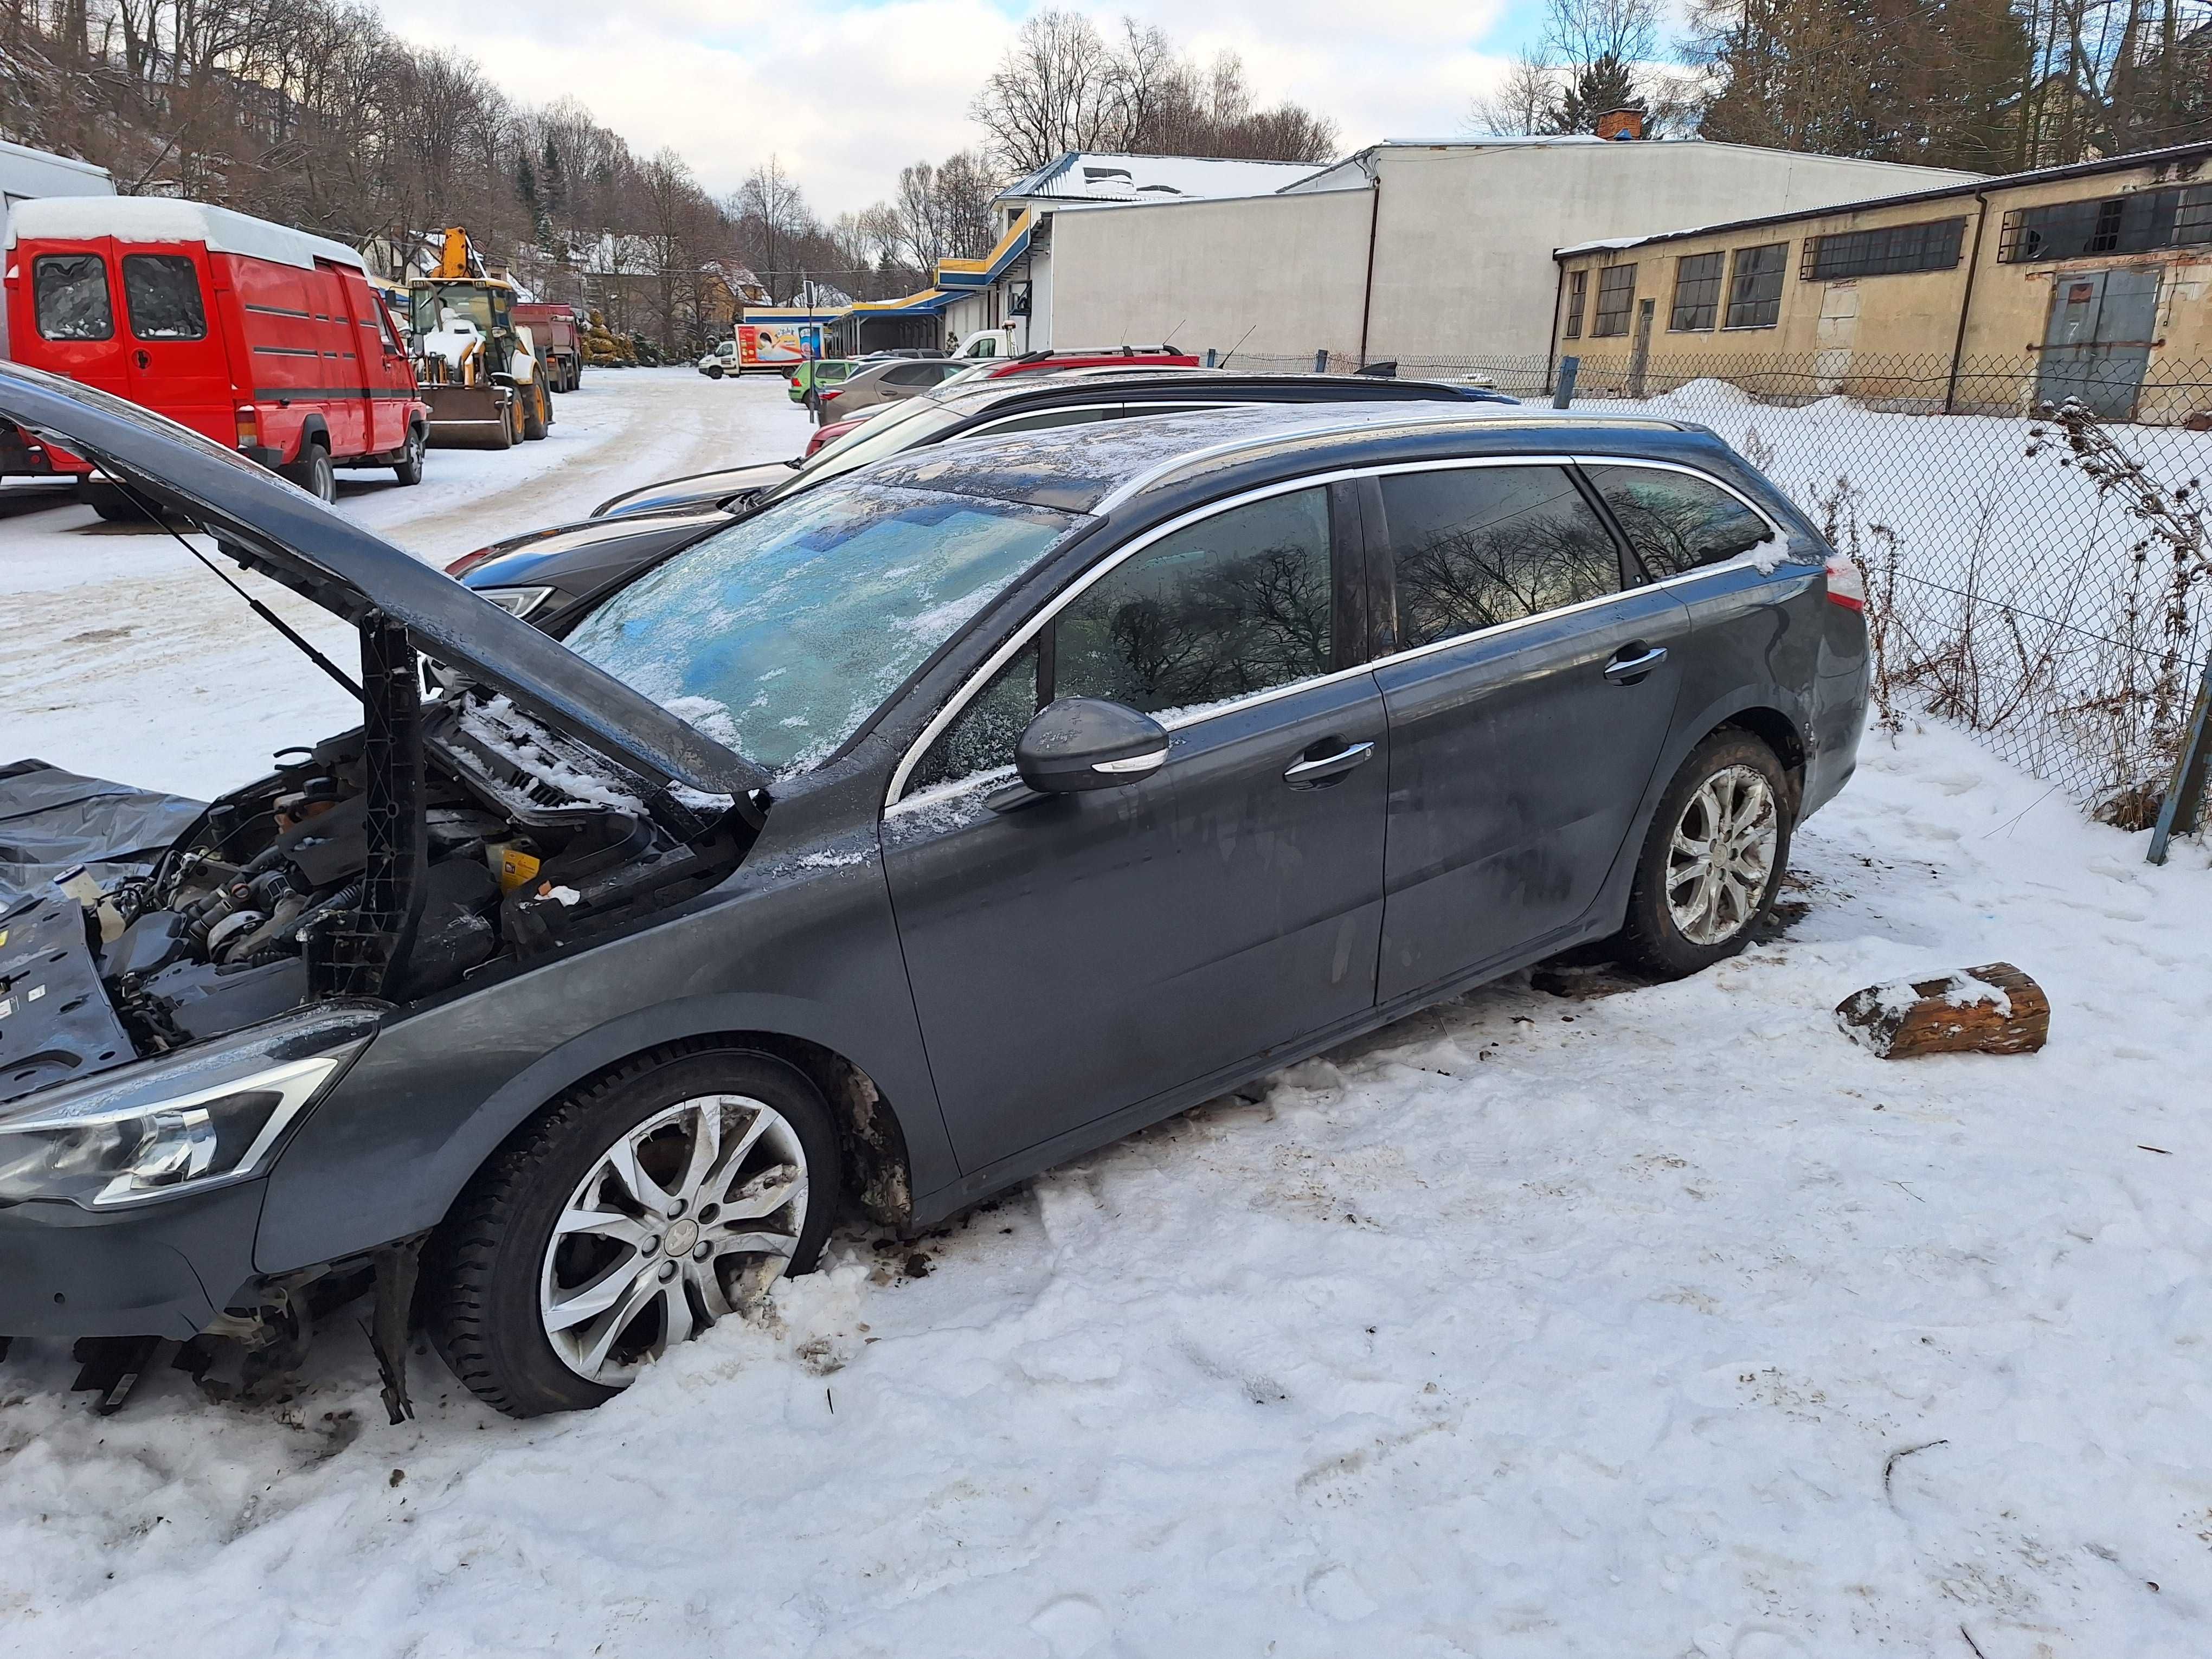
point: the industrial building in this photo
(1997, 295)
(1407, 249)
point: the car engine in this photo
(441, 841)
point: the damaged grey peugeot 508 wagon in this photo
(878, 851)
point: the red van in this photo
(261, 337)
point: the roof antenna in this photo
(1232, 352)
(1172, 333)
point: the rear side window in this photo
(71, 295)
(1476, 547)
(161, 292)
(1236, 604)
(1676, 522)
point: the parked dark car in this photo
(553, 576)
(883, 849)
(975, 406)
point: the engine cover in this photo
(56, 1022)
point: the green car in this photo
(823, 371)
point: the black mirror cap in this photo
(1087, 742)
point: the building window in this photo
(1616, 294)
(1755, 286)
(2116, 224)
(1887, 250)
(1697, 292)
(1577, 285)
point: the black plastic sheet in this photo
(52, 821)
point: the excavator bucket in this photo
(469, 417)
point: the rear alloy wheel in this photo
(314, 472)
(1713, 859)
(630, 1218)
(407, 469)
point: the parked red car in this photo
(1036, 362)
(265, 338)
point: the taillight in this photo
(249, 426)
(1846, 582)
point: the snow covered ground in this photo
(1667, 1322)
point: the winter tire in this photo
(627, 1217)
(531, 401)
(715, 372)
(314, 472)
(1712, 858)
(408, 467)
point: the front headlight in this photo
(520, 600)
(199, 1118)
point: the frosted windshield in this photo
(780, 634)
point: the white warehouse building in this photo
(1408, 249)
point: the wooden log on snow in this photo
(1995, 1010)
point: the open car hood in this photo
(287, 534)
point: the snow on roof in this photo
(158, 219)
(1094, 177)
(1601, 244)
(47, 158)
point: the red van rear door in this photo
(70, 320)
(178, 365)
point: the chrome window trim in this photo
(1389, 414)
(955, 705)
(1781, 531)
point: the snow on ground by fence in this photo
(2024, 613)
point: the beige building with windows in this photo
(1996, 295)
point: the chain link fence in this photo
(2044, 583)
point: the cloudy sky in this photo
(848, 92)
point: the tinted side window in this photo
(71, 291)
(161, 292)
(1478, 546)
(1676, 522)
(982, 739)
(1232, 605)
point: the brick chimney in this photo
(1620, 123)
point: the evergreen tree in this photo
(555, 177)
(1603, 84)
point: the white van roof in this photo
(158, 219)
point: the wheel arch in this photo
(1761, 710)
(348, 1143)
(313, 429)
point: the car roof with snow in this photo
(1091, 468)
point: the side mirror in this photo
(1087, 743)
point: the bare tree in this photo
(1522, 101)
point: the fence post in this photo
(1321, 361)
(1640, 353)
(1564, 393)
(1209, 356)
(2186, 790)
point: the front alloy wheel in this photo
(669, 1193)
(685, 1220)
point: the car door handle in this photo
(1627, 670)
(1310, 774)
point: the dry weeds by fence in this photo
(2041, 578)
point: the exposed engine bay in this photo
(441, 839)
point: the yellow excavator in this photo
(477, 367)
